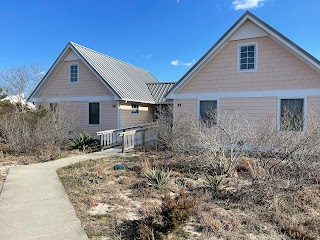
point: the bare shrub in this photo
(42, 131)
(176, 133)
(225, 141)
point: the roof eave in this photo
(246, 16)
(49, 71)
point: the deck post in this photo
(123, 143)
(143, 137)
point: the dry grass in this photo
(253, 203)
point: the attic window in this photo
(247, 57)
(73, 73)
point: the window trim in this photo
(305, 110)
(208, 99)
(93, 124)
(255, 58)
(137, 104)
(69, 70)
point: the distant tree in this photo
(2, 95)
(20, 80)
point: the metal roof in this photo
(128, 81)
(158, 90)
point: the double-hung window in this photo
(208, 112)
(291, 114)
(73, 73)
(247, 57)
(94, 113)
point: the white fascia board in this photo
(287, 44)
(289, 93)
(74, 99)
(136, 101)
(92, 70)
(53, 68)
(213, 52)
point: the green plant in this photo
(213, 182)
(83, 141)
(158, 178)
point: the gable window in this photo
(134, 108)
(73, 73)
(247, 57)
(291, 114)
(94, 113)
(208, 112)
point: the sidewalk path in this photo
(34, 205)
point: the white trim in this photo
(119, 114)
(91, 124)
(51, 70)
(74, 99)
(196, 70)
(60, 60)
(212, 99)
(78, 73)
(256, 47)
(247, 94)
(305, 109)
(94, 72)
(224, 41)
(198, 108)
(290, 46)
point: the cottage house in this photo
(107, 92)
(254, 68)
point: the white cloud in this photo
(181, 63)
(246, 4)
(148, 56)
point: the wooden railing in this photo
(128, 138)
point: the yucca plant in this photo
(83, 141)
(158, 178)
(213, 182)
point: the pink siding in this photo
(59, 86)
(186, 107)
(314, 103)
(313, 109)
(259, 109)
(277, 69)
(108, 116)
(129, 120)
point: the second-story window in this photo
(247, 57)
(73, 73)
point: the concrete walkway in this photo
(34, 205)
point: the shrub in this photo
(158, 178)
(41, 132)
(172, 215)
(83, 141)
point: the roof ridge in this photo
(73, 43)
(162, 83)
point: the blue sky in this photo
(163, 36)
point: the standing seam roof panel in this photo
(128, 81)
